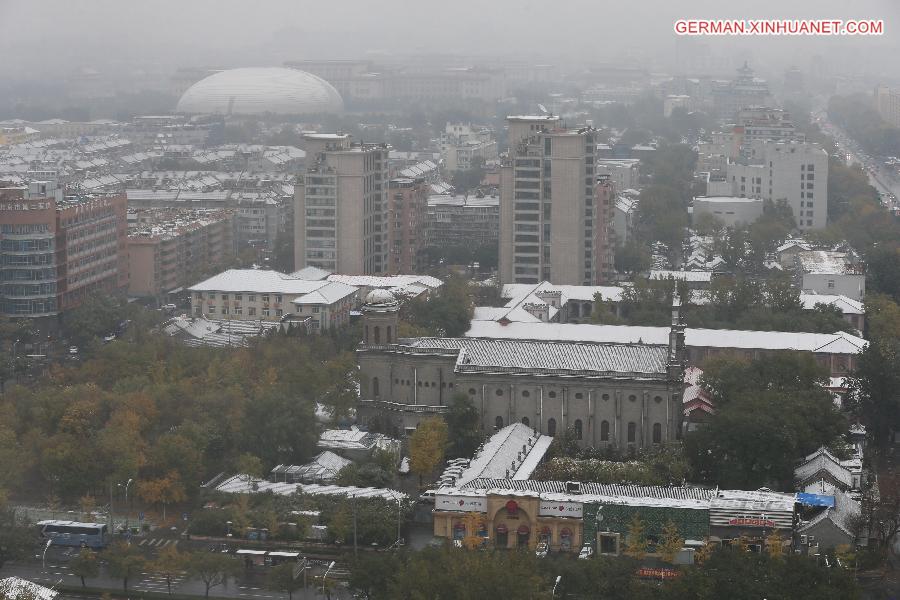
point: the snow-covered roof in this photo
(836, 343)
(245, 484)
(503, 456)
(846, 305)
(693, 276)
(329, 293)
(386, 282)
(823, 460)
(823, 262)
(16, 588)
(257, 281)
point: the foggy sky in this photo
(46, 38)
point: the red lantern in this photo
(512, 508)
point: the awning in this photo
(815, 500)
(501, 528)
(523, 530)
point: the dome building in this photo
(259, 91)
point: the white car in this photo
(586, 552)
(542, 550)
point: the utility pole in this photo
(355, 549)
(112, 531)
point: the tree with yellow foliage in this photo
(162, 490)
(426, 447)
(670, 543)
(775, 544)
(473, 522)
(636, 539)
(702, 554)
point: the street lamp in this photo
(127, 510)
(331, 566)
(44, 555)
(399, 509)
(553, 592)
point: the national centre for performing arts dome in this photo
(258, 91)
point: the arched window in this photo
(632, 431)
(578, 429)
(375, 391)
(388, 340)
(657, 433)
(377, 334)
(551, 427)
(604, 431)
(526, 421)
(498, 422)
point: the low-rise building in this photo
(730, 210)
(625, 173)
(827, 272)
(250, 294)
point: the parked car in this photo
(542, 550)
(587, 551)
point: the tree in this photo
(169, 564)
(426, 447)
(474, 523)
(463, 427)
(212, 568)
(125, 562)
(85, 564)
(281, 579)
(371, 573)
(636, 539)
(775, 543)
(162, 490)
(702, 554)
(670, 543)
(249, 465)
(447, 311)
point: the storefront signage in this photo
(751, 522)
(460, 503)
(657, 573)
(561, 509)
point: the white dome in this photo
(260, 91)
(379, 297)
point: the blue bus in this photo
(72, 533)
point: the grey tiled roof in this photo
(552, 358)
(600, 489)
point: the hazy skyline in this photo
(49, 37)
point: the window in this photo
(499, 392)
(315, 309)
(251, 298)
(526, 393)
(251, 311)
(265, 298)
(579, 429)
(375, 390)
(526, 422)
(551, 427)
(498, 423)
(238, 311)
(472, 391)
(211, 310)
(377, 334)
(579, 395)
(657, 433)
(278, 299)
(238, 297)
(551, 394)
(604, 431)
(224, 310)
(224, 296)
(831, 284)
(605, 397)
(657, 399)
(632, 432)
(265, 312)
(632, 398)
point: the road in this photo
(248, 585)
(878, 177)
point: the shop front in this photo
(607, 524)
(752, 519)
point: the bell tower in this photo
(381, 315)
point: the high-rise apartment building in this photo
(407, 206)
(887, 103)
(796, 172)
(170, 248)
(54, 253)
(550, 223)
(340, 206)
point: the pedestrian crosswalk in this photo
(157, 542)
(154, 582)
